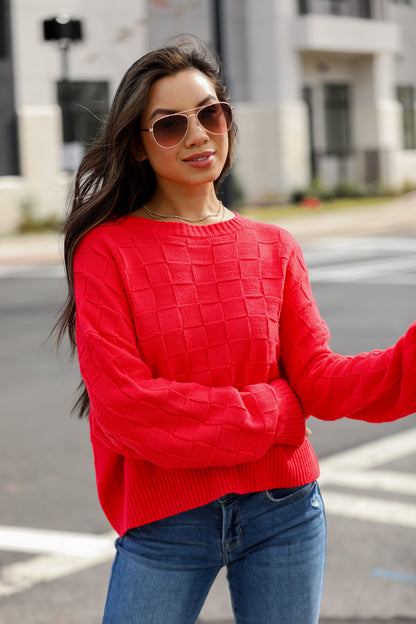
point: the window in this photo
(337, 118)
(343, 8)
(84, 109)
(406, 97)
(340, 7)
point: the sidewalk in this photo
(31, 249)
(307, 226)
(379, 219)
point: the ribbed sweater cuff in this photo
(291, 420)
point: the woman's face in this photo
(200, 156)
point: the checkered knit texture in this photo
(201, 347)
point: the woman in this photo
(202, 352)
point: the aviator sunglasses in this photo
(168, 131)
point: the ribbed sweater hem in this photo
(154, 493)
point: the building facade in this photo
(322, 89)
(43, 131)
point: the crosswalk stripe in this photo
(373, 454)
(23, 575)
(370, 509)
(357, 271)
(377, 480)
(390, 260)
(357, 469)
(59, 553)
(21, 539)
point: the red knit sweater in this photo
(186, 336)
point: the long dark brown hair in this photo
(110, 182)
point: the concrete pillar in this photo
(272, 157)
(40, 150)
(377, 115)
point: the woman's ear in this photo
(137, 150)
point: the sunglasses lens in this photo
(170, 130)
(216, 118)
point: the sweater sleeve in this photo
(378, 386)
(169, 423)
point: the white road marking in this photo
(358, 271)
(370, 509)
(19, 539)
(345, 248)
(20, 576)
(378, 480)
(373, 454)
(356, 469)
(389, 260)
(63, 553)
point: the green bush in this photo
(29, 223)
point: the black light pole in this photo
(65, 31)
(217, 27)
(217, 34)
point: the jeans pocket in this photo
(281, 496)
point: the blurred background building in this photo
(322, 89)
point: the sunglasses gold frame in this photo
(196, 114)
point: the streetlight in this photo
(65, 31)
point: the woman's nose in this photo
(196, 132)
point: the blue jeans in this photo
(273, 544)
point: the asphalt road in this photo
(367, 295)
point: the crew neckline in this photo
(173, 228)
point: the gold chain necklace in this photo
(158, 215)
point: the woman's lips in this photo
(200, 161)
